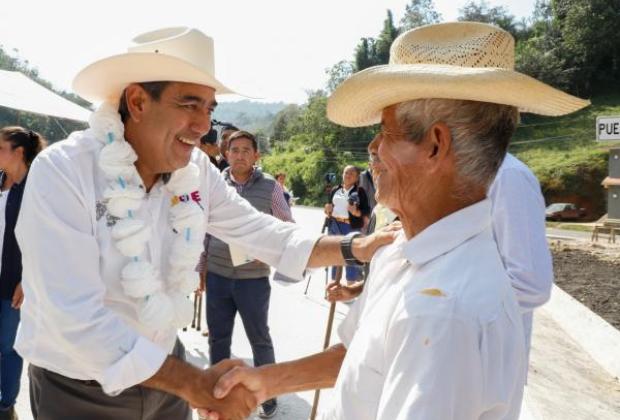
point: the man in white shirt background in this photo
(518, 213)
(438, 332)
(112, 224)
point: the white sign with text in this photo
(608, 128)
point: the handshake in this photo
(234, 390)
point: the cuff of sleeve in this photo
(295, 258)
(142, 362)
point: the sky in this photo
(273, 50)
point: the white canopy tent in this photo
(19, 92)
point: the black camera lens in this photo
(210, 137)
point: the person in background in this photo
(380, 217)
(208, 144)
(18, 147)
(243, 287)
(281, 179)
(348, 212)
(226, 131)
(518, 217)
(366, 179)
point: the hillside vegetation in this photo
(569, 44)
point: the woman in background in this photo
(18, 148)
(348, 211)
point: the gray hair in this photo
(480, 132)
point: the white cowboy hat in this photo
(457, 60)
(171, 54)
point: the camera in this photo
(330, 178)
(354, 199)
(210, 137)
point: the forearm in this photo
(326, 252)
(175, 377)
(313, 372)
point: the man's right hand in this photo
(240, 376)
(238, 403)
(329, 208)
(203, 281)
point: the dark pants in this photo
(353, 273)
(56, 397)
(10, 362)
(249, 297)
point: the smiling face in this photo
(350, 176)
(164, 131)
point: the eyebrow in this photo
(195, 98)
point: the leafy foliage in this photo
(419, 13)
(569, 44)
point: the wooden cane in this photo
(195, 302)
(199, 312)
(328, 334)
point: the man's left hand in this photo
(18, 297)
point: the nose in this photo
(201, 123)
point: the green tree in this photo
(591, 40)
(338, 73)
(497, 15)
(385, 39)
(284, 124)
(419, 13)
(365, 54)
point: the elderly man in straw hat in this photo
(111, 228)
(437, 334)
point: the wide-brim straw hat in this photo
(456, 60)
(171, 54)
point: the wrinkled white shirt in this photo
(518, 215)
(76, 320)
(437, 334)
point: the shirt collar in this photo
(448, 233)
(232, 177)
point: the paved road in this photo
(563, 383)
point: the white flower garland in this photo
(160, 305)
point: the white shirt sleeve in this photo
(434, 370)
(61, 276)
(518, 215)
(233, 220)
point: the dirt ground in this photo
(590, 272)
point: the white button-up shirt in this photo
(518, 215)
(75, 319)
(437, 334)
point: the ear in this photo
(137, 101)
(439, 138)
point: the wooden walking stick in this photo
(199, 311)
(195, 307)
(328, 334)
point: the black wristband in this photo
(347, 251)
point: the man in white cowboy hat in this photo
(111, 228)
(437, 334)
